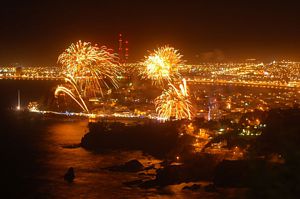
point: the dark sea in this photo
(35, 155)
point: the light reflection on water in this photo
(91, 180)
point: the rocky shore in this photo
(162, 141)
(270, 169)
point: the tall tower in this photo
(121, 48)
(126, 50)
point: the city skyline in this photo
(34, 33)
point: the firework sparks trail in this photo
(72, 81)
(174, 102)
(92, 67)
(162, 65)
(67, 91)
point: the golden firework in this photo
(87, 69)
(174, 102)
(91, 67)
(162, 65)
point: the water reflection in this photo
(65, 133)
(91, 180)
(39, 159)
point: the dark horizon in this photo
(35, 33)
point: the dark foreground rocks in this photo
(156, 139)
(200, 168)
(130, 166)
(239, 173)
(70, 175)
(210, 188)
(71, 146)
(194, 187)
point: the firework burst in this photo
(174, 102)
(162, 65)
(92, 67)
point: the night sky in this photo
(35, 32)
